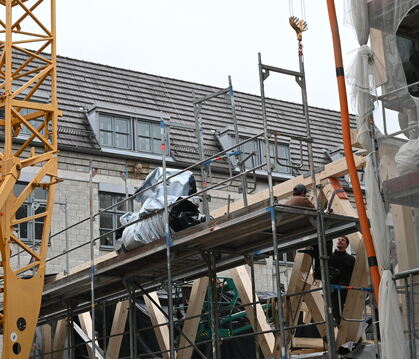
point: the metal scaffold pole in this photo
(92, 258)
(168, 241)
(263, 74)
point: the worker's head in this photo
(299, 190)
(342, 243)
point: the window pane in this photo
(121, 141)
(40, 193)
(106, 240)
(106, 138)
(105, 200)
(144, 144)
(105, 122)
(144, 129)
(121, 207)
(106, 221)
(22, 230)
(40, 209)
(156, 146)
(156, 131)
(38, 230)
(19, 187)
(22, 212)
(121, 125)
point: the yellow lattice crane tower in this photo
(28, 105)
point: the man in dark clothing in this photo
(341, 265)
(299, 198)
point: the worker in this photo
(299, 197)
(341, 265)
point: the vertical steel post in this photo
(412, 316)
(168, 242)
(213, 299)
(262, 78)
(104, 328)
(92, 259)
(131, 324)
(236, 134)
(67, 240)
(200, 139)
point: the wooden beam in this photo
(46, 341)
(157, 319)
(315, 343)
(244, 287)
(86, 325)
(190, 327)
(355, 299)
(283, 190)
(61, 331)
(117, 330)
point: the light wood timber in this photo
(157, 318)
(354, 304)
(243, 284)
(59, 338)
(46, 341)
(315, 343)
(283, 190)
(86, 325)
(190, 327)
(118, 327)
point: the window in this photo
(109, 220)
(133, 134)
(35, 122)
(148, 137)
(257, 147)
(115, 131)
(31, 231)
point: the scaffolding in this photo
(261, 228)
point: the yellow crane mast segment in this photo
(28, 124)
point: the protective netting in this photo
(392, 64)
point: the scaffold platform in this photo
(230, 237)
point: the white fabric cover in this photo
(407, 158)
(377, 216)
(391, 326)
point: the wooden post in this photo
(190, 327)
(244, 286)
(46, 341)
(86, 326)
(118, 327)
(157, 319)
(59, 338)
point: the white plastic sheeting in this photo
(153, 199)
(384, 18)
(152, 228)
(407, 159)
(391, 327)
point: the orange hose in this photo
(346, 137)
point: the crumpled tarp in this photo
(149, 223)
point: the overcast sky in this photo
(204, 41)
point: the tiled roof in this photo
(82, 84)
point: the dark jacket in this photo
(341, 265)
(299, 201)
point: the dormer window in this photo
(253, 152)
(127, 129)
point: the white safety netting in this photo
(388, 67)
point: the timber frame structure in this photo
(223, 235)
(23, 106)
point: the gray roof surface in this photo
(82, 84)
